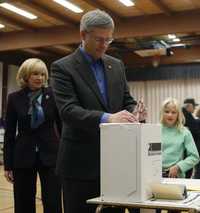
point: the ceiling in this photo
(140, 37)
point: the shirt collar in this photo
(88, 57)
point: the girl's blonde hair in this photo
(28, 67)
(180, 118)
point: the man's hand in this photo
(140, 111)
(122, 117)
(9, 176)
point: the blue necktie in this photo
(37, 117)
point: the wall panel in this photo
(12, 85)
(155, 92)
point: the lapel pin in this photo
(109, 66)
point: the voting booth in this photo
(130, 161)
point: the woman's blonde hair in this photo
(28, 67)
(180, 118)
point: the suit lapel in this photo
(87, 75)
(45, 99)
(24, 101)
(109, 79)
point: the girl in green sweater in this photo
(179, 152)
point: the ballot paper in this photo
(191, 184)
(193, 200)
(169, 191)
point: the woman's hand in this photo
(9, 176)
(173, 171)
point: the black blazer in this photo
(81, 106)
(19, 149)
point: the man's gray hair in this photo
(96, 18)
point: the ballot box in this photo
(130, 161)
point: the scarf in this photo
(35, 108)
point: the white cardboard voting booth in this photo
(130, 161)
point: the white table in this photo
(190, 204)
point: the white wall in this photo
(152, 92)
(12, 85)
(155, 92)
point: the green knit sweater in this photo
(174, 143)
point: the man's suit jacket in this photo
(20, 149)
(81, 106)
(193, 125)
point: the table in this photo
(190, 204)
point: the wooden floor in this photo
(6, 196)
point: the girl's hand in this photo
(173, 171)
(9, 176)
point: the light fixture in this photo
(156, 61)
(179, 45)
(18, 10)
(127, 3)
(176, 39)
(69, 6)
(2, 26)
(164, 43)
(169, 52)
(171, 36)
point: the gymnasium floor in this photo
(6, 196)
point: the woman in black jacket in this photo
(31, 140)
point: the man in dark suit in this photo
(194, 126)
(90, 88)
